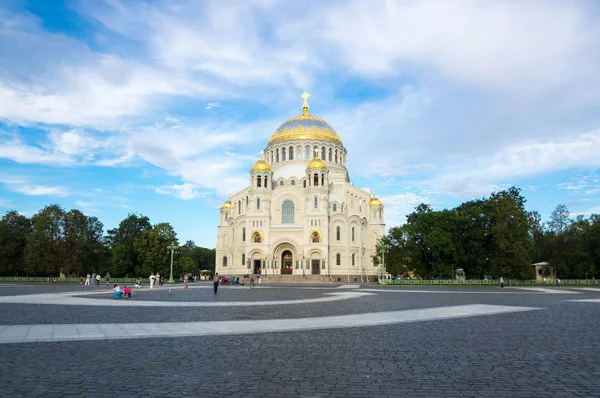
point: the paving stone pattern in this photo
(552, 352)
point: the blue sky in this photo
(161, 107)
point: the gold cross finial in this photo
(305, 95)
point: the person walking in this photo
(87, 279)
(107, 277)
(545, 282)
(98, 277)
(185, 281)
(157, 280)
(151, 279)
(593, 281)
(216, 282)
(501, 282)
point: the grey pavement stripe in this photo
(498, 291)
(586, 301)
(561, 290)
(587, 289)
(73, 298)
(20, 333)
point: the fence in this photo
(486, 282)
(45, 279)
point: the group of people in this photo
(94, 279)
(156, 280)
(118, 293)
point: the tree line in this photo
(55, 241)
(493, 237)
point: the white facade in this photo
(300, 214)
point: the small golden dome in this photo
(316, 163)
(261, 165)
(374, 201)
(227, 204)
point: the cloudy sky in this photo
(161, 107)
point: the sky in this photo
(160, 108)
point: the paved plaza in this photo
(307, 341)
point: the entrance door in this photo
(256, 266)
(316, 267)
(287, 262)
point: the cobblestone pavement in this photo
(550, 352)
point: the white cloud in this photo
(212, 105)
(184, 191)
(6, 202)
(397, 207)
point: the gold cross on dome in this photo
(305, 95)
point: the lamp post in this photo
(171, 248)
(382, 248)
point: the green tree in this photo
(510, 247)
(151, 249)
(125, 260)
(44, 246)
(14, 231)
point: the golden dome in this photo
(227, 204)
(375, 201)
(316, 163)
(305, 127)
(261, 165)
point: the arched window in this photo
(224, 261)
(283, 154)
(280, 182)
(287, 212)
(315, 237)
(322, 180)
(307, 152)
(304, 183)
(277, 155)
(239, 206)
(330, 151)
(257, 203)
(360, 204)
(316, 203)
(352, 236)
(293, 182)
(337, 233)
(380, 214)
(291, 153)
(334, 207)
(243, 234)
(335, 159)
(316, 180)
(298, 152)
(353, 256)
(338, 259)
(315, 151)
(272, 158)
(244, 259)
(323, 153)
(258, 181)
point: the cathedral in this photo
(301, 215)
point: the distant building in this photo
(539, 271)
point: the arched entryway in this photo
(285, 257)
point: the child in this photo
(126, 292)
(252, 283)
(138, 283)
(118, 293)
